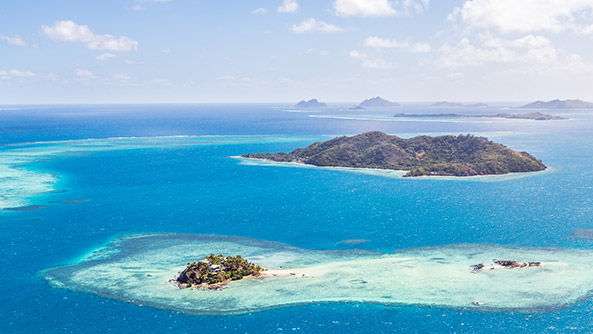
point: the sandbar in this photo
(139, 269)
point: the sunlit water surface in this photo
(73, 195)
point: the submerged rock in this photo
(26, 208)
(586, 234)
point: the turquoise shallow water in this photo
(189, 185)
(141, 269)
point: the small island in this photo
(538, 116)
(558, 104)
(509, 264)
(357, 108)
(457, 104)
(215, 271)
(376, 102)
(313, 103)
(463, 155)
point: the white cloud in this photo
(159, 81)
(530, 50)
(421, 47)
(134, 62)
(259, 11)
(364, 8)
(226, 77)
(121, 77)
(289, 6)
(166, 51)
(369, 61)
(14, 40)
(12, 73)
(525, 16)
(377, 8)
(455, 75)
(529, 41)
(416, 6)
(83, 74)
(324, 53)
(21, 74)
(376, 63)
(378, 42)
(105, 56)
(313, 25)
(357, 54)
(69, 31)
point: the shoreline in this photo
(392, 173)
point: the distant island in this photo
(457, 104)
(377, 102)
(215, 271)
(357, 108)
(558, 104)
(538, 116)
(313, 103)
(463, 155)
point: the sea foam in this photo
(139, 269)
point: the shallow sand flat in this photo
(138, 269)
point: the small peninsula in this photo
(215, 271)
(377, 102)
(558, 104)
(463, 155)
(313, 103)
(538, 116)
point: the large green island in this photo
(463, 155)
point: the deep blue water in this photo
(198, 189)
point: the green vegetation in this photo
(557, 104)
(463, 155)
(538, 116)
(217, 270)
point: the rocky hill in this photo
(463, 155)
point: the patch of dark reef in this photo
(26, 208)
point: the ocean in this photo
(84, 175)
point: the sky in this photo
(232, 51)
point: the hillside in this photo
(378, 102)
(557, 104)
(313, 103)
(463, 155)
